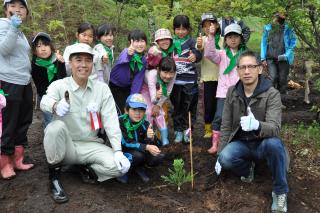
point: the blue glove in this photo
(282, 58)
(15, 21)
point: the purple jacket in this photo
(122, 76)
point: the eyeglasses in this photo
(250, 67)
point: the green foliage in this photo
(302, 134)
(178, 175)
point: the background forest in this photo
(61, 18)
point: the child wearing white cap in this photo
(226, 59)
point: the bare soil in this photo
(28, 192)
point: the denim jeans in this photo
(237, 157)
(216, 124)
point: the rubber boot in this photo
(18, 159)
(56, 188)
(6, 166)
(207, 131)
(164, 136)
(215, 142)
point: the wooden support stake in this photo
(191, 159)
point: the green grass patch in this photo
(254, 41)
(302, 134)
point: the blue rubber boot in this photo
(164, 136)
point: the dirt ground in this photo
(28, 192)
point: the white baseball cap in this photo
(23, 2)
(233, 28)
(81, 48)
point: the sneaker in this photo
(87, 174)
(178, 136)
(279, 202)
(186, 136)
(123, 179)
(250, 177)
(142, 174)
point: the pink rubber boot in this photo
(18, 159)
(215, 142)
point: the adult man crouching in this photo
(250, 129)
(81, 106)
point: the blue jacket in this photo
(290, 42)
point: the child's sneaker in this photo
(178, 136)
(279, 202)
(142, 174)
(123, 179)
(186, 136)
(250, 177)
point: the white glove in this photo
(218, 167)
(282, 58)
(122, 162)
(62, 107)
(249, 123)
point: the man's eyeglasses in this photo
(250, 67)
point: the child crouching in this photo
(138, 139)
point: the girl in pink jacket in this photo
(156, 89)
(226, 59)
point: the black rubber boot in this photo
(56, 188)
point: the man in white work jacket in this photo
(81, 107)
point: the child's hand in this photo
(131, 48)
(155, 51)
(105, 59)
(150, 132)
(159, 93)
(59, 56)
(212, 30)
(192, 57)
(154, 150)
(155, 111)
(199, 41)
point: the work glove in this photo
(249, 122)
(15, 21)
(62, 107)
(218, 168)
(282, 58)
(122, 162)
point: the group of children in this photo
(141, 84)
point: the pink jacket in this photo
(150, 84)
(2, 105)
(220, 58)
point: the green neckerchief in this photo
(136, 60)
(49, 65)
(233, 58)
(2, 93)
(109, 51)
(129, 126)
(216, 40)
(164, 86)
(168, 52)
(177, 43)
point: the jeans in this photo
(237, 157)
(216, 124)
